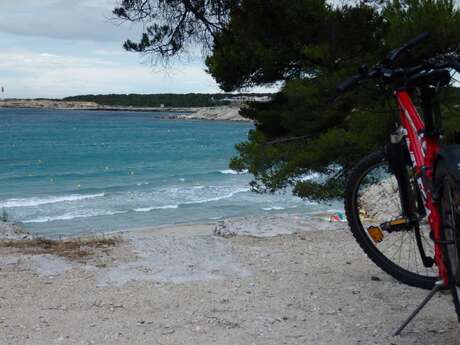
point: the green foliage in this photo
(269, 41)
(156, 100)
(327, 135)
(409, 18)
(451, 113)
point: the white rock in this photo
(12, 231)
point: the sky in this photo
(59, 48)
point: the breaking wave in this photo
(34, 201)
(233, 172)
(70, 216)
(148, 209)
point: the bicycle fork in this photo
(410, 196)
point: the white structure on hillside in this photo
(243, 99)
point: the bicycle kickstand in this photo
(439, 285)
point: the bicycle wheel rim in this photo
(398, 247)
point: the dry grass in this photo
(71, 249)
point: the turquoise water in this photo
(71, 172)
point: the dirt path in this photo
(194, 288)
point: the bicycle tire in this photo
(451, 232)
(352, 211)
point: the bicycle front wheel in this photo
(450, 212)
(373, 198)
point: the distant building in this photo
(243, 99)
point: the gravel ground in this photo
(184, 285)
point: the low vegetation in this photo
(73, 249)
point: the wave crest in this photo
(233, 172)
(34, 201)
(70, 216)
(274, 208)
(148, 209)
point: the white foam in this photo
(70, 216)
(34, 201)
(217, 198)
(310, 177)
(192, 202)
(273, 208)
(148, 209)
(233, 172)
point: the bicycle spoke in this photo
(378, 201)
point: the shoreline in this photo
(290, 221)
(217, 113)
(106, 108)
(308, 286)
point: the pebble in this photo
(168, 332)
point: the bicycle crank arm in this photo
(401, 224)
(376, 232)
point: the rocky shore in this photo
(12, 231)
(254, 280)
(221, 113)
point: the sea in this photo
(69, 172)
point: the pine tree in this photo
(308, 46)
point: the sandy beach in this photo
(268, 280)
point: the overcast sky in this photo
(58, 48)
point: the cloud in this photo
(58, 48)
(51, 76)
(34, 62)
(64, 19)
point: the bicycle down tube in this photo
(423, 150)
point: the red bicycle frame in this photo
(423, 151)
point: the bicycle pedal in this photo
(375, 233)
(399, 224)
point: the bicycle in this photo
(418, 229)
